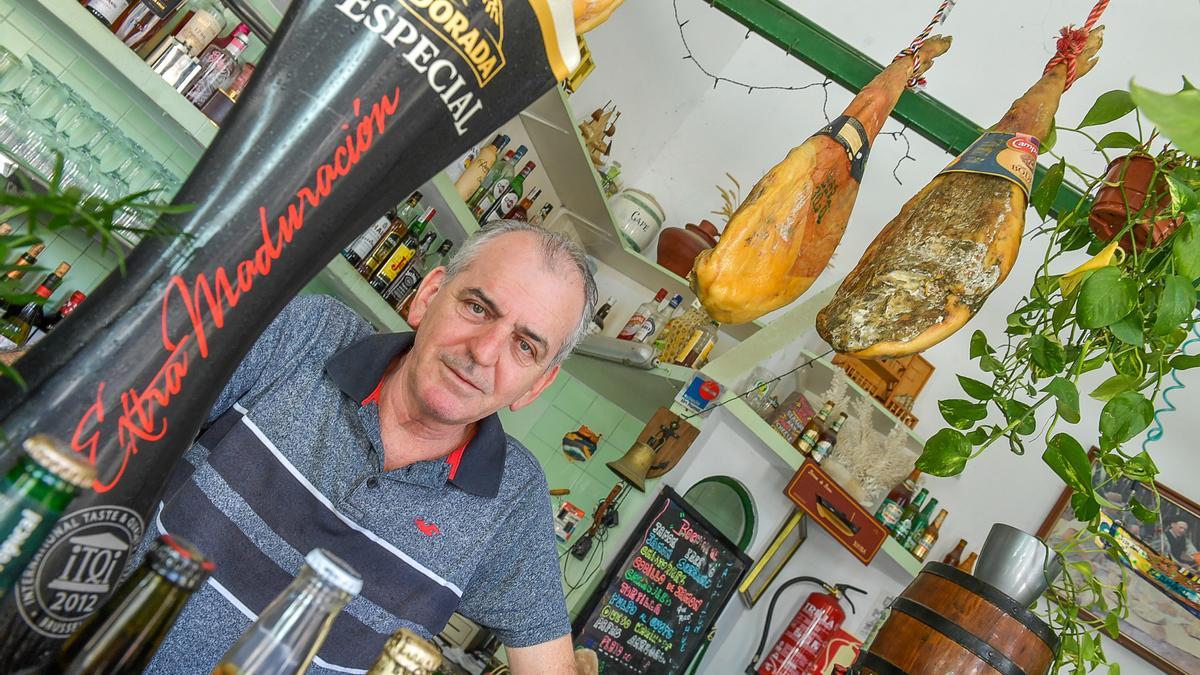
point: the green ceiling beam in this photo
(802, 38)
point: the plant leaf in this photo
(990, 364)
(979, 345)
(1177, 116)
(1176, 304)
(1047, 354)
(1125, 416)
(1185, 248)
(1069, 460)
(1141, 467)
(1085, 506)
(945, 453)
(1042, 197)
(1066, 396)
(1014, 410)
(1184, 361)
(1106, 297)
(1047, 143)
(1117, 139)
(1141, 512)
(962, 414)
(1114, 385)
(976, 389)
(1183, 197)
(1110, 106)
(1129, 330)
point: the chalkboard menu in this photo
(670, 582)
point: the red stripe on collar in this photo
(373, 397)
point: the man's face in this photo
(487, 336)
(1179, 528)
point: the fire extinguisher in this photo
(797, 649)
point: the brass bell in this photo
(634, 465)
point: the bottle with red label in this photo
(640, 315)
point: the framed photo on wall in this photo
(1159, 628)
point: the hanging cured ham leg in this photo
(933, 266)
(782, 236)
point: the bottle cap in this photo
(178, 561)
(51, 454)
(406, 652)
(331, 568)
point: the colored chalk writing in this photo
(655, 608)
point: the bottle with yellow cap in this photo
(33, 495)
(407, 653)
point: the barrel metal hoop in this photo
(957, 633)
(998, 598)
(875, 664)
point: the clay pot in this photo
(1132, 175)
(678, 247)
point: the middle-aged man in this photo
(386, 450)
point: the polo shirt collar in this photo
(358, 370)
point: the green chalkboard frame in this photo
(667, 494)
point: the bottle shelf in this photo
(125, 69)
(349, 287)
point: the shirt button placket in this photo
(372, 482)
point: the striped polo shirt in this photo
(291, 459)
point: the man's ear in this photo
(428, 288)
(538, 387)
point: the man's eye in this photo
(525, 346)
(475, 308)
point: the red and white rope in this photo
(1072, 40)
(916, 82)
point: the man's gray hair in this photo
(558, 251)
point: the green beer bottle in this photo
(33, 495)
(126, 631)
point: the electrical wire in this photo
(806, 364)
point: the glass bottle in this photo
(828, 438)
(919, 523)
(640, 315)
(500, 177)
(360, 248)
(411, 274)
(540, 218)
(33, 495)
(201, 25)
(657, 321)
(219, 66)
(811, 434)
(292, 628)
(141, 19)
(910, 513)
(406, 216)
(511, 196)
(106, 10)
(16, 327)
(396, 262)
(954, 557)
(406, 653)
(892, 508)
(696, 351)
(20, 267)
(473, 175)
(64, 310)
(521, 210)
(597, 324)
(928, 538)
(126, 631)
(968, 565)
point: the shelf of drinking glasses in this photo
(123, 68)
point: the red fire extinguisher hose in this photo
(838, 590)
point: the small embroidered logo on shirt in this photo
(427, 529)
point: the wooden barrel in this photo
(947, 621)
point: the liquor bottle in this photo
(919, 523)
(202, 23)
(828, 439)
(106, 10)
(540, 218)
(640, 315)
(675, 334)
(411, 274)
(511, 196)
(123, 635)
(968, 565)
(142, 19)
(276, 158)
(411, 279)
(15, 329)
(408, 216)
(406, 653)
(497, 182)
(485, 159)
(219, 66)
(658, 320)
(27, 259)
(929, 537)
(521, 210)
(33, 495)
(910, 513)
(811, 434)
(490, 178)
(696, 350)
(288, 633)
(954, 557)
(395, 263)
(357, 251)
(597, 324)
(48, 323)
(892, 508)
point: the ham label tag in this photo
(1011, 156)
(849, 134)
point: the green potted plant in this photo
(1124, 314)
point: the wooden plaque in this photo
(833, 509)
(669, 454)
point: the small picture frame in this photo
(783, 546)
